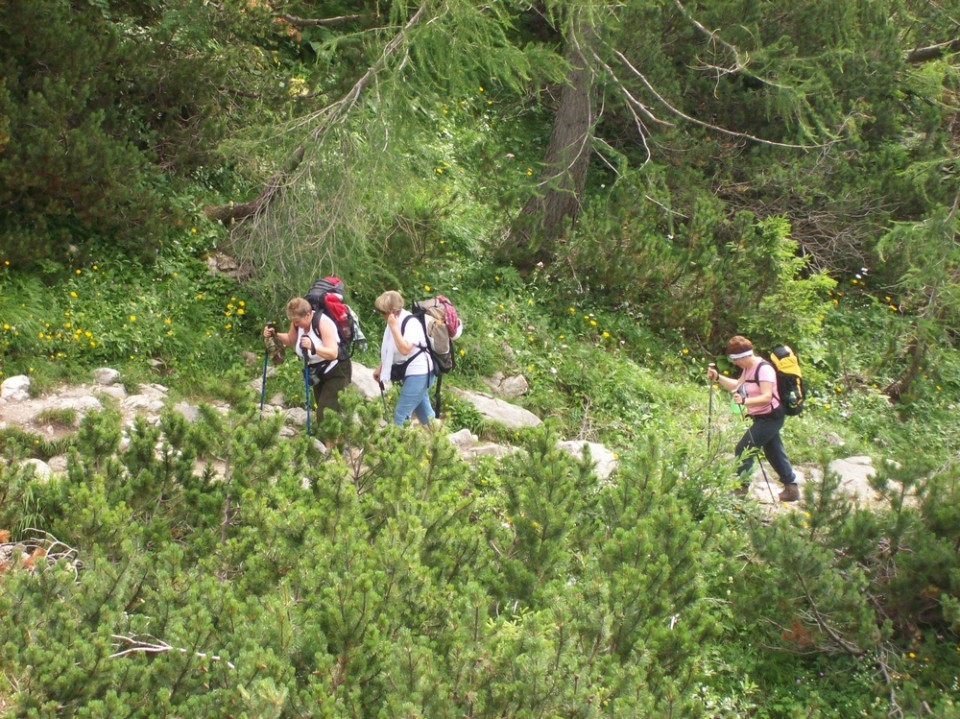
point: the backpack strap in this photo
(342, 353)
(424, 347)
(437, 407)
(776, 389)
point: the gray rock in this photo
(256, 384)
(190, 412)
(115, 391)
(604, 460)
(855, 474)
(16, 389)
(41, 470)
(297, 416)
(496, 410)
(363, 380)
(106, 376)
(488, 449)
(138, 402)
(58, 464)
(81, 404)
(509, 387)
(462, 439)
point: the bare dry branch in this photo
(319, 22)
(322, 121)
(716, 128)
(152, 645)
(740, 63)
(45, 547)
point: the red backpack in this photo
(326, 295)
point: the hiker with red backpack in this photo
(405, 355)
(755, 391)
(317, 340)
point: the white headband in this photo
(740, 355)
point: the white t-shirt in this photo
(317, 342)
(412, 333)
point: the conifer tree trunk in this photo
(548, 215)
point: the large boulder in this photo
(496, 410)
(362, 379)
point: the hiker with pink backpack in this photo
(416, 351)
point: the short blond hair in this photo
(389, 301)
(298, 307)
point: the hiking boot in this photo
(790, 493)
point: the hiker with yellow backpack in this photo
(757, 393)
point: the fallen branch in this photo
(932, 52)
(45, 548)
(157, 646)
(319, 22)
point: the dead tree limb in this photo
(933, 52)
(302, 22)
(325, 119)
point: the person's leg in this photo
(744, 452)
(330, 387)
(777, 456)
(424, 410)
(760, 433)
(412, 392)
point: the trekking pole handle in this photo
(272, 327)
(312, 348)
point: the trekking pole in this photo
(383, 397)
(263, 380)
(306, 388)
(766, 479)
(438, 410)
(712, 366)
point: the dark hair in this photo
(737, 344)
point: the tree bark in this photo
(933, 52)
(548, 215)
(918, 355)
